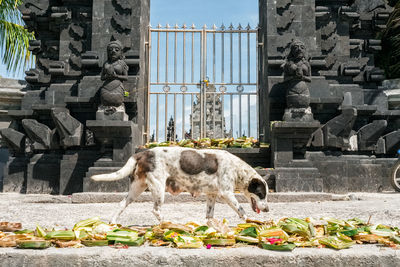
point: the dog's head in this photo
(256, 193)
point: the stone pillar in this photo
(263, 89)
(10, 99)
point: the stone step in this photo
(359, 255)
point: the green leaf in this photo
(285, 247)
(336, 243)
(247, 239)
(61, 235)
(33, 244)
(251, 231)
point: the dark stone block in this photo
(89, 86)
(43, 174)
(69, 129)
(14, 139)
(38, 132)
(369, 134)
(392, 142)
(93, 186)
(4, 154)
(298, 180)
(73, 168)
(15, 175)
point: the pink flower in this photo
(274, 240)
(208, 246)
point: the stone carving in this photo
(14, 139)
(369, 135)
(114, 72)
(69, 129)
(337, 132)
(297, 73)
(40, 134)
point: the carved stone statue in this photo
(114, 72)
(297, 73)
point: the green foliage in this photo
(390, 57)
(14, 38)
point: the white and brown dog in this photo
(216, 173)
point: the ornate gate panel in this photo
(203, 82)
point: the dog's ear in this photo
(257, 187)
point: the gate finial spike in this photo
(222, 26)
(167, 26)
(204, 26)
(248, 27)
(214, 27)
(184, 26)
(193, 27)
(230, 27)
(176, 26)
(240, 27)
(159, 26)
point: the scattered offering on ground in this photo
(283, 235)
(242, 142)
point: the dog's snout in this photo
(266, 209)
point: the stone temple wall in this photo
(61, 136)
(56, 138)
(355, 134)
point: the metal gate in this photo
(203, 82)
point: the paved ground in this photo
(30, 209)
(55, 210)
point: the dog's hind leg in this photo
(231, 200)
(137, 187)
(157, 189)
(210, 206)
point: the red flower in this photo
(272, 241)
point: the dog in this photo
(216, 173)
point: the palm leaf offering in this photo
(283, 235)
(242, 142)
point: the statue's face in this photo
(298, 49)
(114, 52)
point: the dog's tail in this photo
(118, 175)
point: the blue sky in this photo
(191, 11)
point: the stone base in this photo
(298, 115)
(73, 167)
(103, 166)
(353, 173)
(298, 180)
(15, 175)
(43, 174)
(111, 113)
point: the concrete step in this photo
(358, 255)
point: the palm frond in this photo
(14, 38)
(390, 56)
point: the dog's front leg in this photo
(210, 206)
(231, 200)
